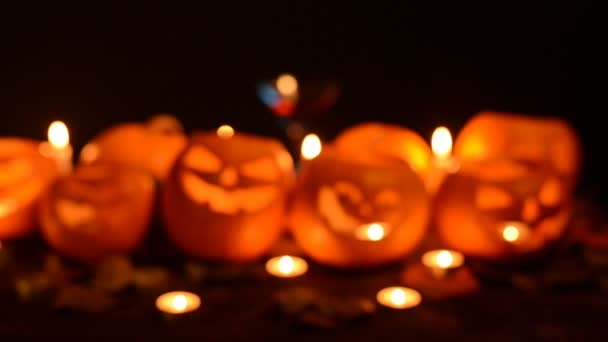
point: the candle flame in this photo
(398, 297)
(286, 264)
(511, 233)
(58, 135)
(180, 302)
(371, 232)
(444, 259)
(225, 131)
(441, 142)
(287, 85)
(311, 147)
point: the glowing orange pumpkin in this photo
(503, 209)
(24, 175)
(387, 141)
(152, 146)
(357, 209)
(226, 196)
(550, 141)
(97, 210)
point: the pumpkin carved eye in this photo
(491, 197)
(550, 194)
(201, 159)
(72, 213)
(263, 169)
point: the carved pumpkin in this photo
(226, 196)
(97, 210)
(358, 209)
(550, 141)
(152, 146)
(476, 208)
(24, 175)
(387, 141)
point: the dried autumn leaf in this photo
(30, 286)
(296, 300)
(113, 274)
(5, 258)
(527, 282)
(147, 278)
(567, 273)
(79, 298)
(596, 257)
(354, 308)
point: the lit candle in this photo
(442, 260)
(225, 132)
(397, 297)
(514, 232)
(311, 147)
(441, 145)
(178, 302)
(58, 146)
(286, 266)
(371, 232)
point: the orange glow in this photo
(311, 147)
(287, 85)
(441, 142)
(58, 135)
(371, 232)
(397, 297)
(286, 266)
(178, 302)
(225, 131)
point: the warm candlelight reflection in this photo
(311, 147)
(7, 207)
(287, 85)
(399, 297)
(371, 232)
(442, 260)
(178, 302)
(286, 266)
(225, 131)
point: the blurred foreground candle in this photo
(178, 302)
(442, 260)
(397, 297)
(286, 266)
(514, 232)
(225, 131)
(58, 146)
(287, 86)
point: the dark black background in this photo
(417, 65)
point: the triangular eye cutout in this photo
(491, 197)
(263, 169)
(199, 158)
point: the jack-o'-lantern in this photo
(541, 140)
(152, 146)
(24, 175)
(226, 196)
(355, 210)
(503, 209)
(98, 210)
(390, 141)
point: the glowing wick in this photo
(287, 85)
(371, 232)
(441, 142)
(225, 131)
(510, 233)
(311, 147)
(441, 260)
(58, 135)
(180, 302)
